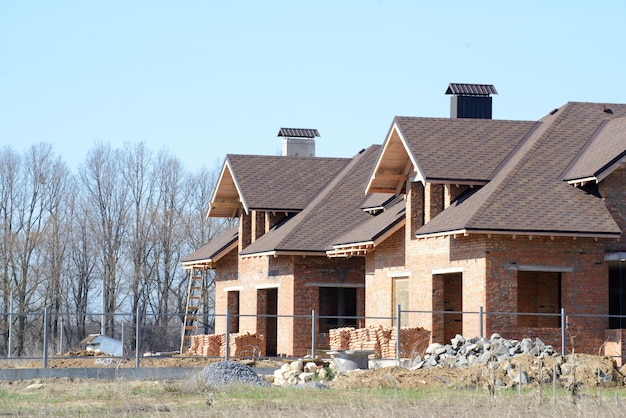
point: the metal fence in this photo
(39, 335)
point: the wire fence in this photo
(40, 335)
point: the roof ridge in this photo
(518, 158)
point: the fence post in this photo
(61, 337)
(481, 330)
(45, 338)
(137, 340)
(10, 325)
(227, 334)
(563, 331)
(313, 329)
(398, 325)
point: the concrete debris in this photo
(463, 352)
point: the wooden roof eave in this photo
(395, 165)
(224, 204)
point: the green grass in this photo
(90, 398)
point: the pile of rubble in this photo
(463, 352)
(302, 373)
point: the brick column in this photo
(433, 201)
(257, 226)
(245, 230)
(415, 208)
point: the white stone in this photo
(306, 377)
(296, 365)
(310, 367)
(433, 347)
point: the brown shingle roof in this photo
(461, 149)
(263, 182)
(607, 146)
(376, 226)
(214, 250)
(527, 194)
(333, 212)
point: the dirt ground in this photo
(590, 371)
(582, 368)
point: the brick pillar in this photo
(245, 230)
(257, 226)
(415, 208)
(433, 201)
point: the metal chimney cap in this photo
(471, 89)
(298, 133)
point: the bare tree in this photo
(169, 235)
(82, 259)
(140, 181)
(107, 199)
(9, 191)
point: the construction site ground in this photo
(477, 376)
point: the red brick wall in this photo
(387, 260)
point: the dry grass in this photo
(63, 397)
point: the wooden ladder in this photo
(194, 300)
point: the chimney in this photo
(298, 142)
(470, 100)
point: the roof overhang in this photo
(209, 263)
(514, 234)
(395, 165)
(362, 248)
(227, 197)
(278, 253)
(601, 174)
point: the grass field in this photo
(96, 398)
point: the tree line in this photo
(106, 239)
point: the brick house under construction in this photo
(449, 214)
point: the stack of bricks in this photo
(247, 345)
(339, 338)
(364, 339)
(381, 340)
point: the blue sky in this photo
(207, 78)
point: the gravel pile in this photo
(231, 373)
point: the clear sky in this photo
(207, 78)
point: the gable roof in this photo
(273, 183)
(527, 195)
(443, 150)
(334, 211)
(210, 253)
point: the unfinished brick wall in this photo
(382, 264)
